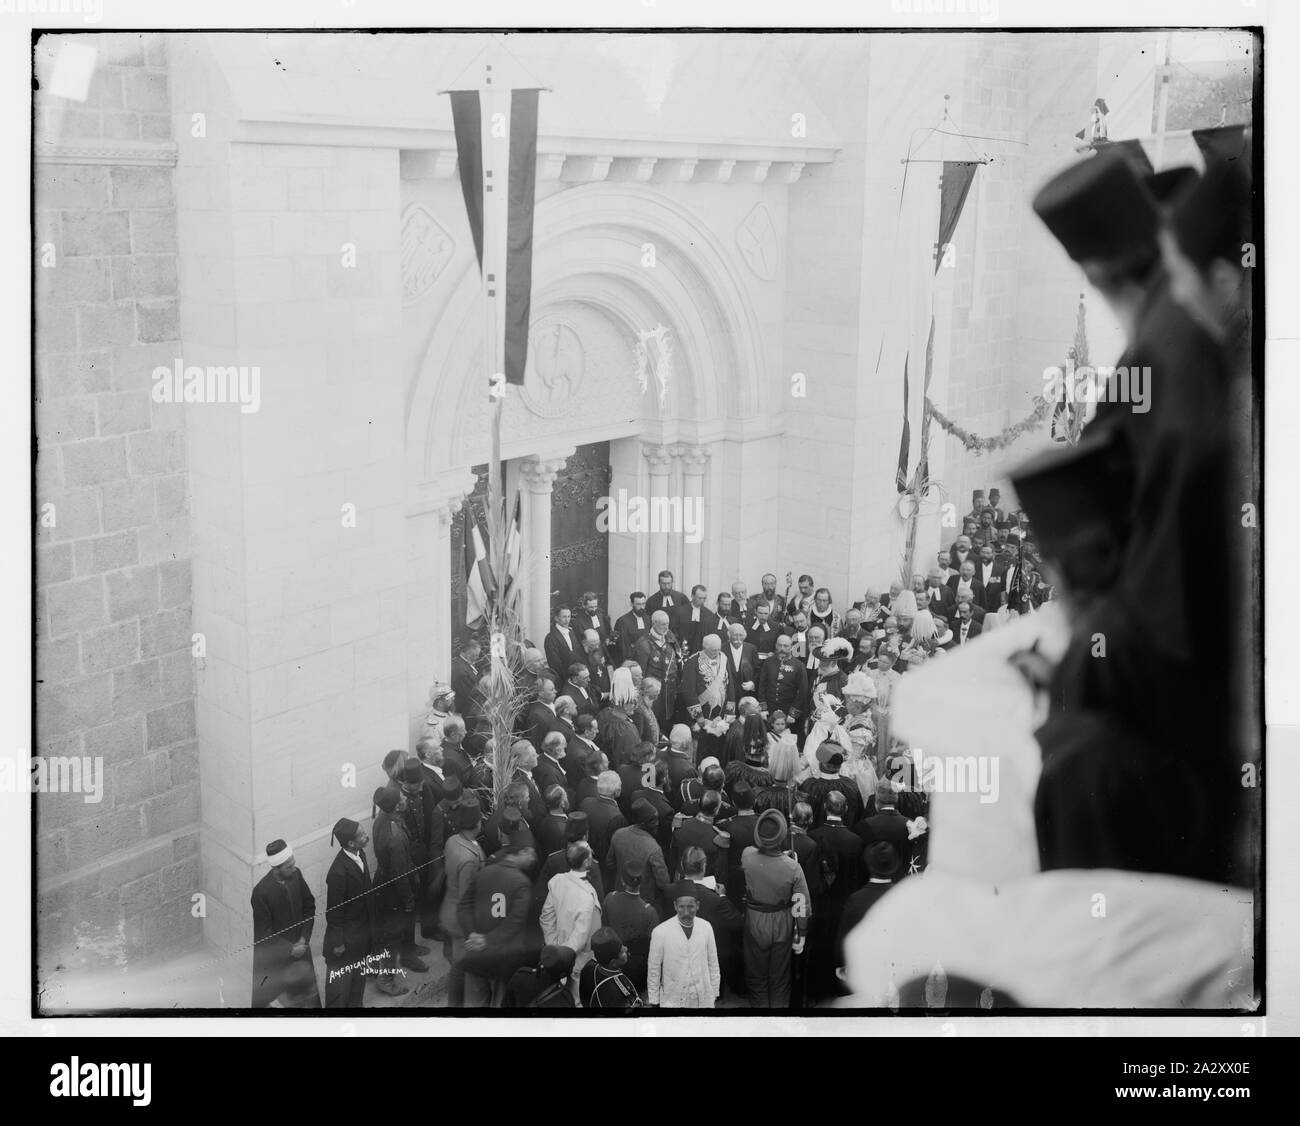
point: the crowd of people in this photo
(703, 801)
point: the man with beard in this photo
(783, 685)
(774, 602)
(284, 913)
(657, 655)
(665, 598)
(632, 626)
(705, 692)
(763, 633)
(597, 666)
(694, 622)
(590, 617)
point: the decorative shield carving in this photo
(756, 238)
(556, 365)
(426, 250)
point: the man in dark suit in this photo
(965, 583)
(351, 925)
(740, 832)
(591, 616)
(942, 599)
(841, 852)
(991, 574)
(694, 620)
(762, 633)
(774, 602)
(549, 770)
(539, 720)
(665, 598)
(783, 684)
(578, 688)
(882, 866)
(742, 664)
(580, 731)
(719, 911)
(526, 759)
(284, 914)
(886, 824)
(631, 627)
(597, 666)
(455, 759)
(604, 817)
(465, 678)
(651, 789)
(701, 831)
(561, 645)
(965, 628)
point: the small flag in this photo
(514, 547)
(478, 573)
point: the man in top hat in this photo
(397, 883)
(493, 914)
(603, 983)
(464, 858)
(684, 972)
(777, 910)
(351, 922)
(633, 918)
(636, 843)
(284, 914)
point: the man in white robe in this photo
(684, 971)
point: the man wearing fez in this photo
(1162, 648)
(398, 883)
(656, 652)
(778, 907)
(284, 914)
(351, 925)
(684, 972)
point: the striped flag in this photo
(496, 142)
(514, 545)
(479, 582)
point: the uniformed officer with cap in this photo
(777, 909)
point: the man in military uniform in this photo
(783, 684)
(778, 907)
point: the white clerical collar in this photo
(695, 613)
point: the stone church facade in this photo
(241, 612)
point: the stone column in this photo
(661, 460)
(536, 478)
(695, 460)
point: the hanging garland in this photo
(1011, 434)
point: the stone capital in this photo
(538, 473)
(660, 458)
(695, 459)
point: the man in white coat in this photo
(571, 913)
(684, 972)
